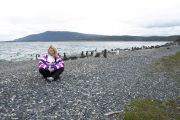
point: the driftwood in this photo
(73, 57)
(86, 53)
(97, 54)
(114, 113)
(65, 57)
(105, 53)
(92, 53)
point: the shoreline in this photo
(95, 41)
(79, 55)
(87, 89)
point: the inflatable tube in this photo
(37, 56)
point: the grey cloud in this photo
(162, 24)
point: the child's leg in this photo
(44, 72)
(56, 73)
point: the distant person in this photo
(51, 64)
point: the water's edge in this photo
(17, 51)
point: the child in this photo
(51, 64)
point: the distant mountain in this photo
(75, 36)
(58, 36)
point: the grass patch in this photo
(151, 109)
(170, 64)
(171, 61)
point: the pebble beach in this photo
(88, 88)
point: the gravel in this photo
(87, 89)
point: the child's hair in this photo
(55, 51)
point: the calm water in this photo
(23, 50)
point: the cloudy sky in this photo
(19, 18)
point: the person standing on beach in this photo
(51, 64)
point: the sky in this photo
(19, 18)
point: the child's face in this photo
(51, 51)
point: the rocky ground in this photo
(87, 89)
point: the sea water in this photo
(17, 51)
